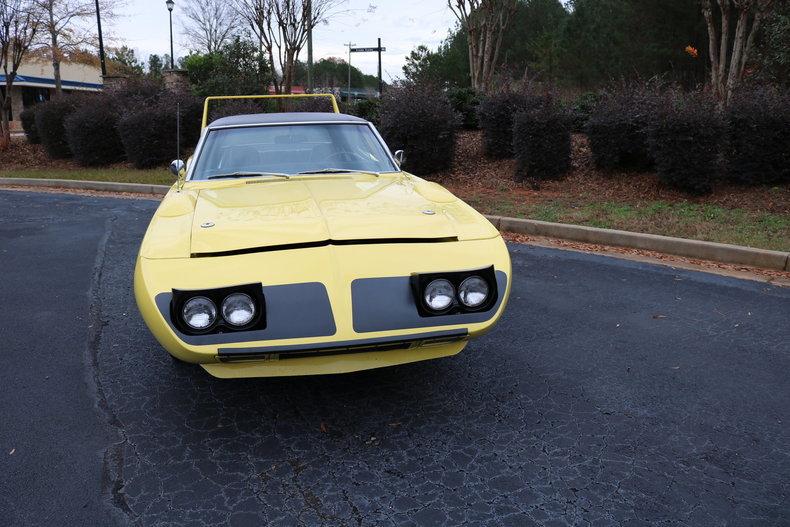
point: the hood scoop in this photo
(324, 243)
(292, 214)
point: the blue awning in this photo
(50, 83)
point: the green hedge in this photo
(685, 140)
(148, 133)
(758, 137)
(50, 124)
(495, 116)
(466, 102)
(92, 133)
(617, 129)
(420, 121)
(542, 141)
(28, 118)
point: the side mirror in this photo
(399, 157)
(178, 168)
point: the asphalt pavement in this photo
(611, 393)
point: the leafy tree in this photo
(449, 64)
(155, 65)
(533, 40)
(332, 72)
(123, 61)
(607, 40)
(237, 69)
(773, 47)
(418, 67)
(532, 44)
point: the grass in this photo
(684, 220)
(156, 176)
(681, 219)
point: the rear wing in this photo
(287, 96)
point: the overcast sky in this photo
(402, 25)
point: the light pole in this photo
(309, 9)
(101, 41)
(170, 5)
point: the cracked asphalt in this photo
(611, 393)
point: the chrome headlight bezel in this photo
(419, 282)
(217, 296)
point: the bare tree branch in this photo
(62, 31)
(209, 23)
(485, 22)
(19, 24)
(281, 27)
(729, 57)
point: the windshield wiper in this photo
(249, 174)
(338, 171)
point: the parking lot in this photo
(612, 392)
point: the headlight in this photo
(199, 312)
(473, 291)
(439, 295)
(238, 309)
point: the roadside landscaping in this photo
(632, 201)
(641, 158)
(755, 216)
(157, 176)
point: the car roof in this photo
(291, 117)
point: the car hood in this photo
(261, 213)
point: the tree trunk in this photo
(724, 45)
(728, 57)
(713, 45)
(5, 106)
(737, 52)
(275, 81)
(54, 49)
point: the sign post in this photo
(378, 49)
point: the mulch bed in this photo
(22, 155)
(473, 173)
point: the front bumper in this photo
(305, 338)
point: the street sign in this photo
(378, 49)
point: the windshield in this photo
(291, 149)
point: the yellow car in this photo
(293, 244)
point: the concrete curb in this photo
(718, 252)
(76, 184)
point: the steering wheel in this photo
(350, 156)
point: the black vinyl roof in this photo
(294, 117)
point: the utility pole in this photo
(101, 41)
(309, 8)
(348, 95)
(381, 84)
